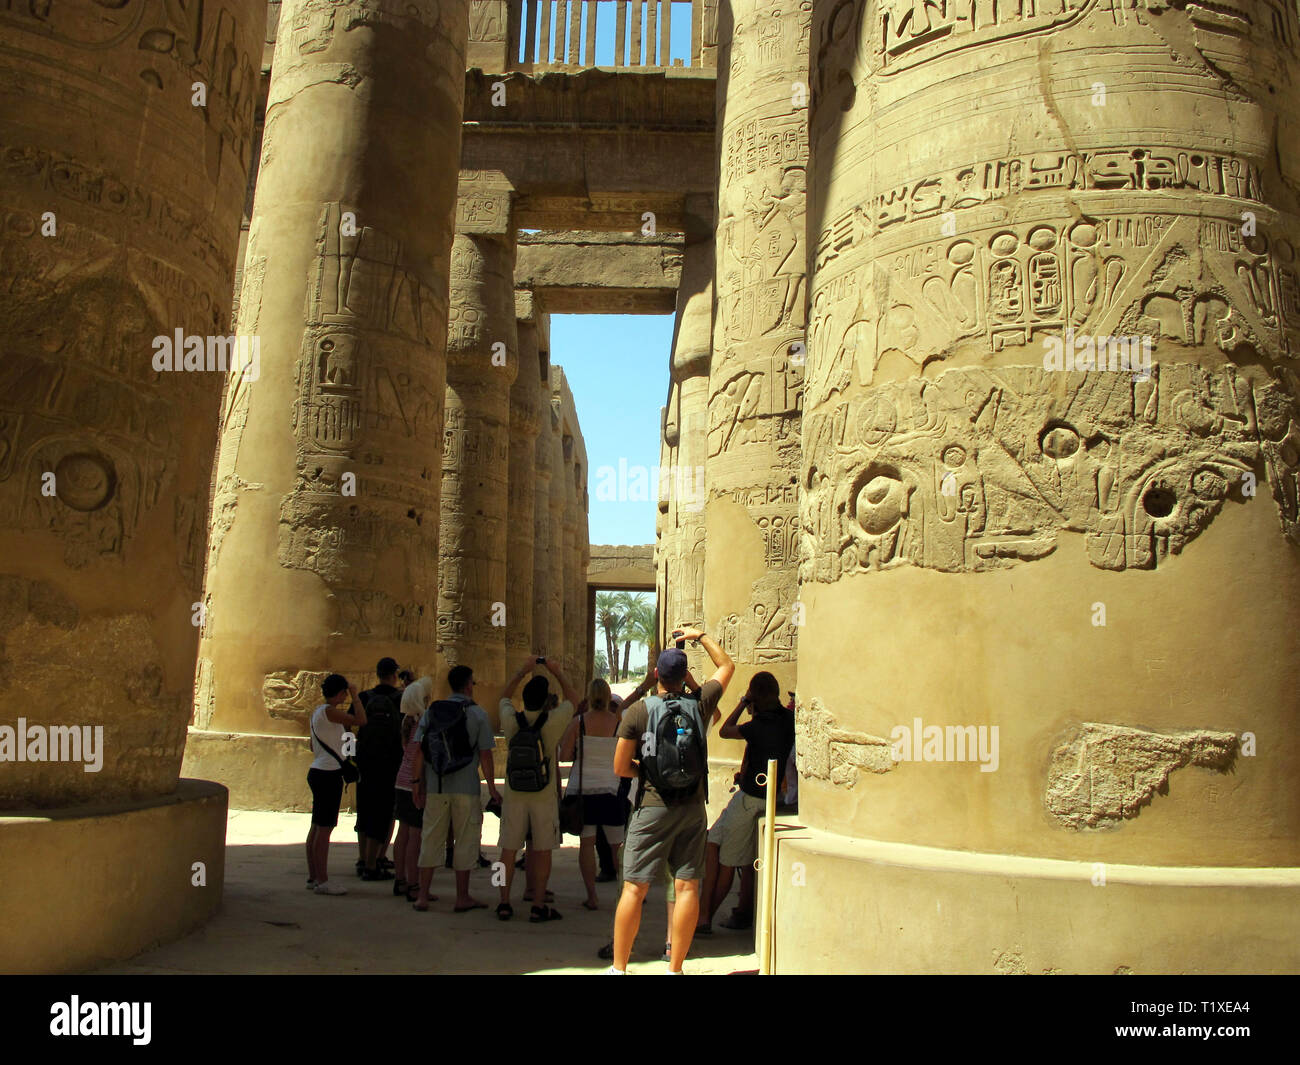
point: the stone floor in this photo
(270, 923)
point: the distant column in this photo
(482, 361)
(525, 420)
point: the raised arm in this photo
(570, 695)
(347, 718)
(508, 692)
(731, 728)
(725, 666)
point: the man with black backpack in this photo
(379, 756)
(456, 742)
(532, 780)
(663, 740)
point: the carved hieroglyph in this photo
(482, 361)
(119, 222)
(756, 366)
(1102, 774)
(990, 185)
(683, 487)
(327, 506)
(526, 403)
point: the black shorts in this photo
(326, 796)
(405, 812)
(375, 796)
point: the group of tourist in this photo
(638, 784)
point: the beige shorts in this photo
(461, 813)
(736, 831)
(521, 812)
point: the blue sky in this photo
(679, 47)
(617, 368)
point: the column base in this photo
(862, 906)
(261, 771)
(87, 885)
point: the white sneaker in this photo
(326, 888)
(611, 971)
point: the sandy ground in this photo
(270, 923)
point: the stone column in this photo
(525, 421)
(121, 205)
(121, 186)
(482, 362)
(555, 605)
(665, 553)
(572, 561)
(325, 522)
(685, 482)
(543, 545)
(756, 370)
(1050, 449)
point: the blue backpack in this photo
(446, 744)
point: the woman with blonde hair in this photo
(589, 742)
(406, 848)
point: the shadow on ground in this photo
(270, 923)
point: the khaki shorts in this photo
(657, 834)
(463, 814)
(538, 812)
(736, 831)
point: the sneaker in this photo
(311, 884)
(611, 971)
(326, 888)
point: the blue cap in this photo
(672, 666)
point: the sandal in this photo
(550, 896)
(543, 913)
(505, 911)
(590, 905)
(412, 892)
(400, 887)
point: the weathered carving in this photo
(981, 468)
(826, 752)
(1100, 774)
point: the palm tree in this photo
(601, 664)
(638, 623)
(610, 618)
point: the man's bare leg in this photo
(685, 913)
(508, 860)
(627, 921)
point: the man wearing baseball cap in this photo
(660, 831)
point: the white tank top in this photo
(330, 732)
(598, 777)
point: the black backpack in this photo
(527, 767)
(446, 743)
(675, 754)
(379, 740)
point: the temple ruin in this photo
(981, 431)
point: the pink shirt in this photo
(406, 774)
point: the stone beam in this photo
(601, 273)
(597, 149)
(621, 567)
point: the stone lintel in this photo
(620, 566)
(601, 273)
